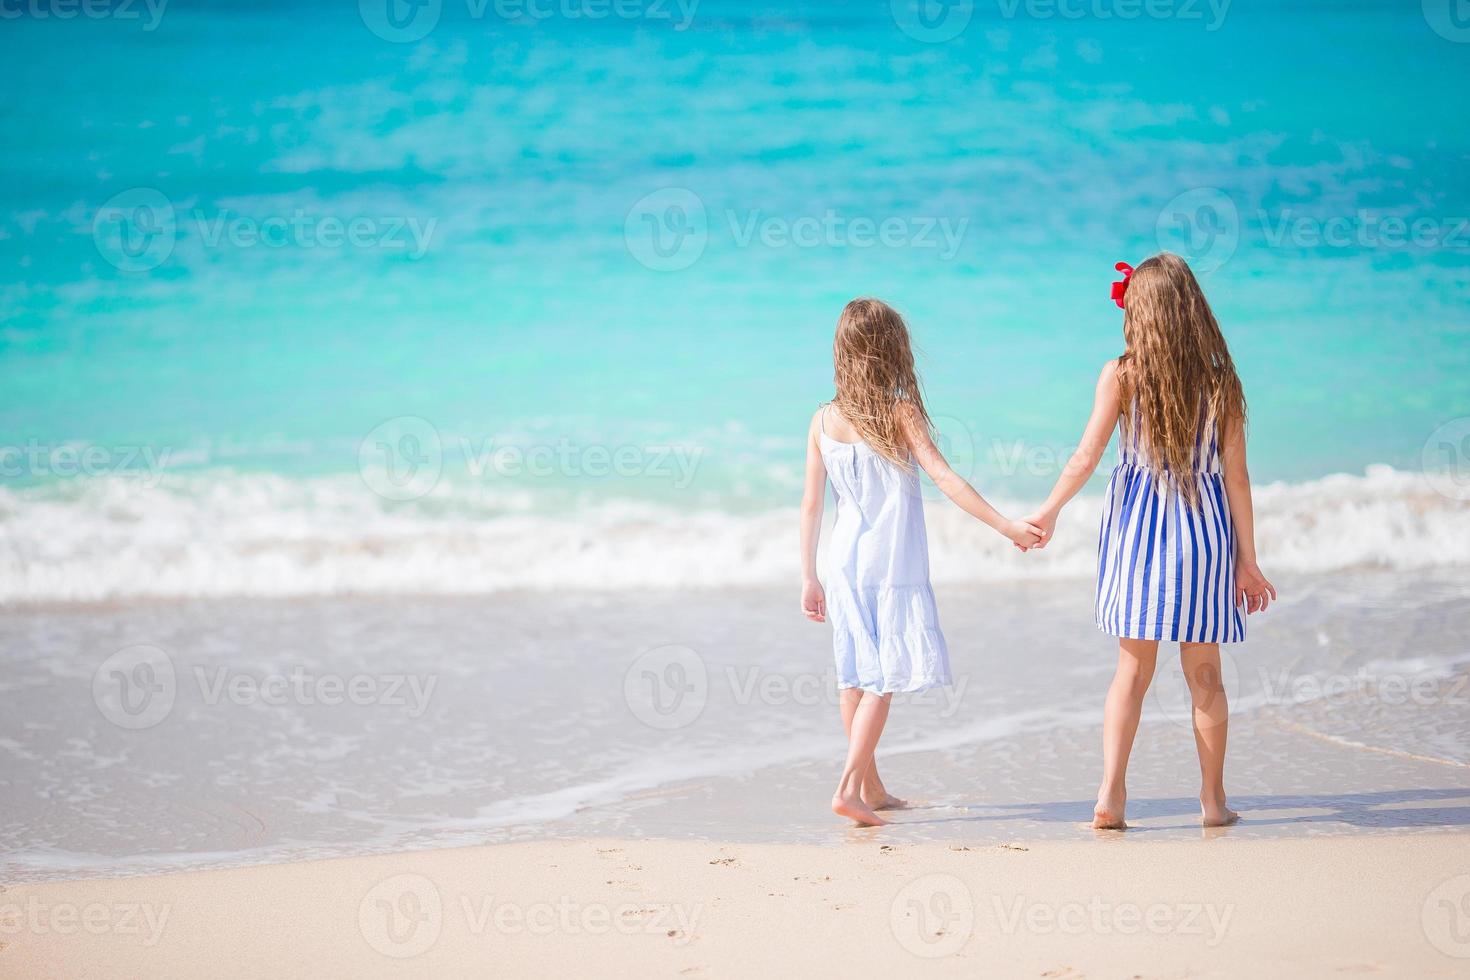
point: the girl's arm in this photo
(1251, 588)
(813, 599)
(1089, 452)
(956, 487)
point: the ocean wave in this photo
(234, 534)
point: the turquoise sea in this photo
(289, 279)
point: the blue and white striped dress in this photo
(1166, 570)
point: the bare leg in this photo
(1211, 725)
(1124, 706)
(874, 793)
(868, 719)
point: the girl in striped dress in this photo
(1177, 552)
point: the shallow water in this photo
(475, 720)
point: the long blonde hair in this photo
(873, 365)
(1176, 374)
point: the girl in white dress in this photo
(885, 630)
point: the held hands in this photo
(1024, 534)
(813, 601)
(1045, 522)
(1251, 588)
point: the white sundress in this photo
(885, 627)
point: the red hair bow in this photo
(1120, 289)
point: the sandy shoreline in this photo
(1219, 906)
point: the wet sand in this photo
(259, 731)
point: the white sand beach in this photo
(1217, 906)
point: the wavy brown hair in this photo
(1176, 374)
(873, 365)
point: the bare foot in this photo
(1108, 814)
(857, 811)
(884, 801)
(1217, 815)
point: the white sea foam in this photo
(231, 534)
